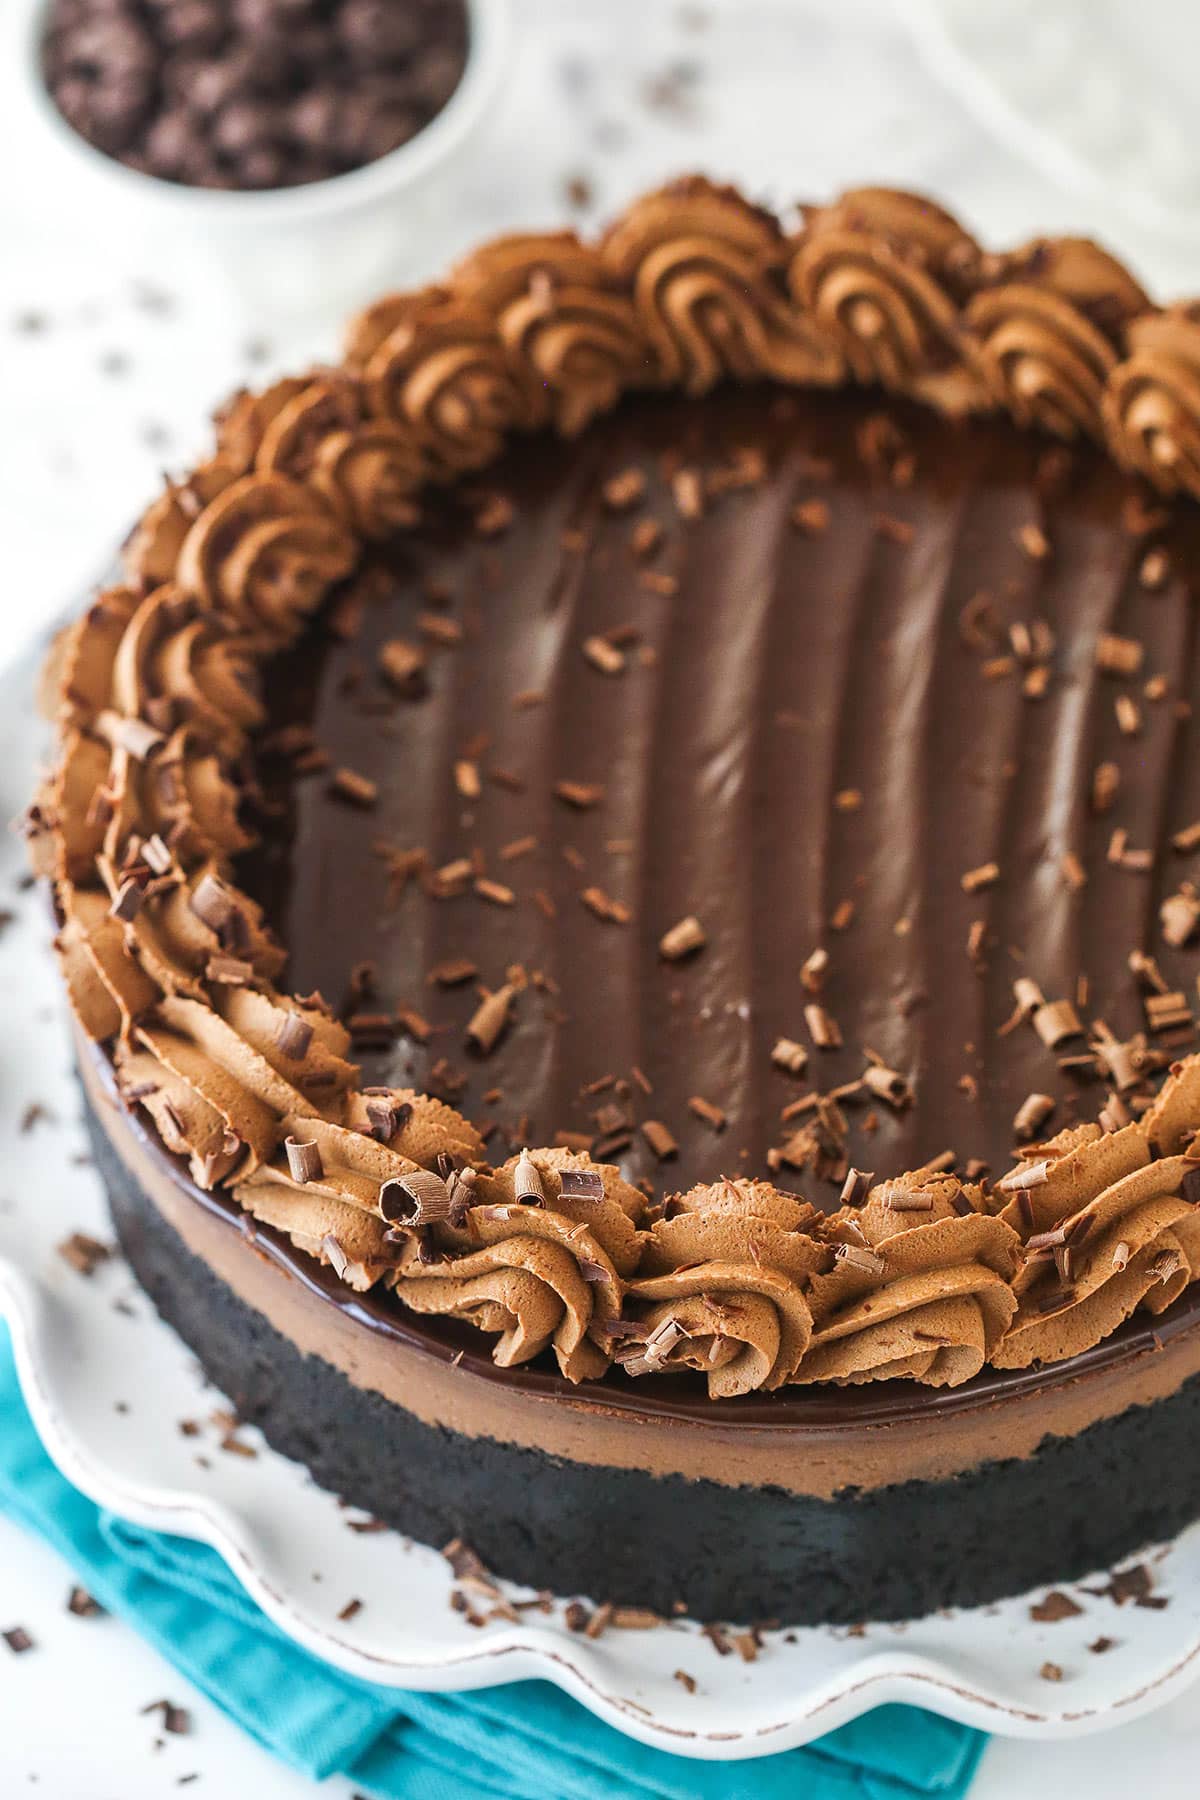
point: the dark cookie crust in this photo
(1079, 1504)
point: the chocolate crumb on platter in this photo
(83, 1253)
(175, 1719)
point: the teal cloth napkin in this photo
(526, 1741)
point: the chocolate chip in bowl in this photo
(247, 95)
(285, 157)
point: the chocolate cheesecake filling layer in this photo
(869, 726)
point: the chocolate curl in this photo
(304, 1160)
(421, 1198)
(489, 1019)
(527, 1183)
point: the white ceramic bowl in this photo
(314, 250)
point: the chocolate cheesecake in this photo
(623, 864)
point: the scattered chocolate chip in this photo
(261, 94)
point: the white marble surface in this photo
(108, 368)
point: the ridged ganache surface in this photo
(809, 718)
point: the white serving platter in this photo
(109, 1384)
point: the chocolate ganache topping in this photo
(163, 828)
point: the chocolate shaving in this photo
(887, 1084)
(858, 1256)
(811, 517)
(682, 940)
(660, 1140)
(359, 790)
(304, 1160)
(1118, 655)
(789, 1055)
(127, 902)
(453, 972)
(214, 906)
(489, 1019)
(495, 892)
(1179, 916)
(1031, 1115)
(823, 1027)
(527, 1182)
(604, 655)
(466, 778)
(624, 490)
(1056, 1021)
(294, 1036)
(613, 912)
(402, 665)
(985, 876)
(856, 1187)
(419, 1198)
(580, 794)
(1029, 1175)
(1129, 715)
(581, 1184)
(706, 1111)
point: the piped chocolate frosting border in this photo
(169, 966)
